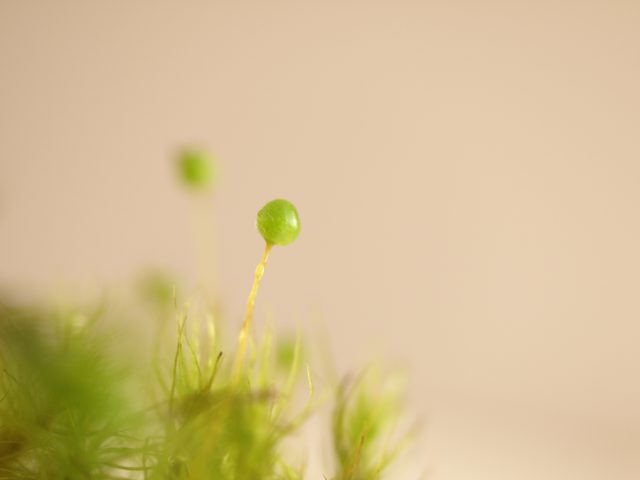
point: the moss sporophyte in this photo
(196, 168)
(279, 224)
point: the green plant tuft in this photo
(77, 403)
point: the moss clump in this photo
(74, 407)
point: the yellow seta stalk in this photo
(278, 223)
(248, 314)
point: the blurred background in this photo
(466, 172)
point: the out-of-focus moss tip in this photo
(196, 168)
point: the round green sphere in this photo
(278, 222)
(196, 168)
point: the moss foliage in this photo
(72, 406)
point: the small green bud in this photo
(278, 222)
(157, 288)
(286, 353)
(196, 168)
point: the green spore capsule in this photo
(278, 222)
(196, 168)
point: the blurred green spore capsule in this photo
(157, 288)
(278, 222)
(196, 168)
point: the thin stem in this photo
(248, 314)
(203, 240)
(176, 358)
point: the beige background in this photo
(467, 175)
